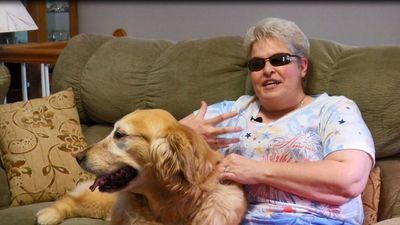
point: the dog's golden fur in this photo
(176, 181)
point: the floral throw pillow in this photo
(37, 139)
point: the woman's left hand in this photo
(321, 180)
(240, 169)
(208, 127)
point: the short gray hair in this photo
(284, 30)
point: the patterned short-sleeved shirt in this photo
(326, 125)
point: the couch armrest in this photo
(4, 82)
(393, 221)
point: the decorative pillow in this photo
(37, 139)
(370, 197)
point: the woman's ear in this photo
(303, 66)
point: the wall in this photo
(353, 23)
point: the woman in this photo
(302, 159)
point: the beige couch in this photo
(114, 76)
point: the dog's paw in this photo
(49, 216)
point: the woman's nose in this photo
(268, 69)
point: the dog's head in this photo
(149, 148)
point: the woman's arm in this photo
(341, 176)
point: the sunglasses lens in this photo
(256, 64)
(279, 60)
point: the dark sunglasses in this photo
(279, 59)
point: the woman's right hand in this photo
(208, 128)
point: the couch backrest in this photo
(368, 75)
(114, 76)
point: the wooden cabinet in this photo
(57, 19)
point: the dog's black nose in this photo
(80, 157)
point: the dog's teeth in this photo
(93, 187)
(96, 183)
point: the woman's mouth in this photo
(271, 83)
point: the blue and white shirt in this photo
(310, 133)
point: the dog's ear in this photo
(166, 164)
(183, 157)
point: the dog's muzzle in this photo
(108, 182)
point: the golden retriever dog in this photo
(151, 170)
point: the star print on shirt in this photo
(241, 111)
(248, 135)
(341, 121)
(266, 135)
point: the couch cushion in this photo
(108, 91)
(97, 132)
(71, 64)
(369, 76)
(37, 139)
(21, 215)
(25, 215)
(393, 221)
(4, 189)
(188, 72)
(114, 76)
(389, 204)
(84, 221)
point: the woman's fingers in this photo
(217, 143)
(226, 130)
(207, 127)
(213, 133)
(202, 110)
(218, 119)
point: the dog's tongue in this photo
(115, 181)
(100, 180)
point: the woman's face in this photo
(277, 82)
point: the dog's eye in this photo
(119, 134)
